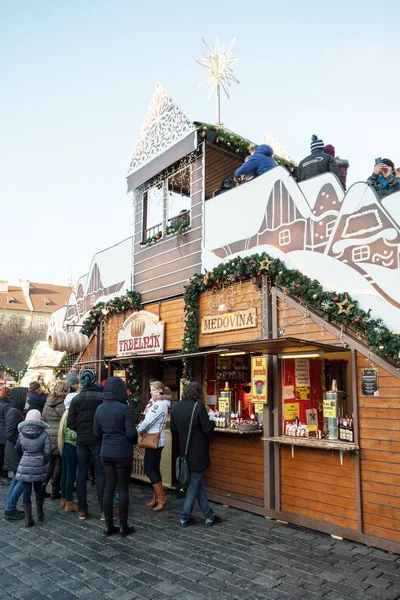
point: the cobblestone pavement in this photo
(246, 556)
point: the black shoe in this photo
(191, 521)
(15, 515)
(126, 530)
(29, 522)
(46, 494)
(111, 530)
(55, 495)
(213, 521)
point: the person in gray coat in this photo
(34, 443)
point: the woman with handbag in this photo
(153, 440)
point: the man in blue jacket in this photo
(258, 163)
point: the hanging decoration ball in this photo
(395, 333)
(258, 273)
(357, 320)
(336, 299)
(217, 282)
(250, 262)
(315, 296)
(381, 347)
(297, 285)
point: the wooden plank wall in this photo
(315, 485)
(219, 165)
(90, 352)
(162, 269)
(170, 311)
(299, 326)
(237, 467)
(247, 294)
(379, 419)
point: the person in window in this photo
(258, 163)
(226, 184)
(317, 163)
(342, 163)
(383, 179)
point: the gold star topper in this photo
(264, 264)
(342, 308)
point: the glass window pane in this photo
(154, 207)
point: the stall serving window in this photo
(316, 396)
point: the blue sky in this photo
(77, 78)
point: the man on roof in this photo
(383, 179)
(317, 163)
(258, 163)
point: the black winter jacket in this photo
(114, 426)
(4, 406)
(81, 415)
(316, 163)
(36, 401)
(199, 451)
(15, 415)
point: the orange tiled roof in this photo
(46, 297)
(17, 295)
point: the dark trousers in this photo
(2, 472)
(83, 455)
(27, 493)
(69, 463)
(54, 469)
(117, 472)
(152, 460)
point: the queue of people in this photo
(96, 422)
(385, 178)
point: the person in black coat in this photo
(15, 416)
(114, 426)
(317, 162)
(36, 397)
(198, 451)
(80, 419)
(4, 406)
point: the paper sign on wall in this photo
(302, 369)
(288, 392)
(258, 407)
(291, 411)
(223, 404)
(302, 392)
(259, 375)
(312, 417)
(329, 408)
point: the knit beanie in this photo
(329, 149)
(72, 379)
(87, 377)
(33, 415)
(68, 399)
(387, 162)
(316, 144)
(34, 385)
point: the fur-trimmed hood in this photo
(32, 429)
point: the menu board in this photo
(369, 382)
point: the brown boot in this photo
(71, 506)
(153, 501)
(161, 496)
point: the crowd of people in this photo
(385, 179)
(55, 439)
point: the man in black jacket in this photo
(317, 162)
(80, 419)
(198, 451)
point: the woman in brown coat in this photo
(52, 412)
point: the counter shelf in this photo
(314, 443)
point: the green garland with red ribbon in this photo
(103, 310)
(339, 308)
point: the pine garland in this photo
(235, 143)
(340, 308)
(152, 239)
(103, 310)
(133, 385)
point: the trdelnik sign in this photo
(141, 333)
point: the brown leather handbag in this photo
(149, 440)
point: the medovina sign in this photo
(141, 333)
(240, 319)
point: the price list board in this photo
(369, 382)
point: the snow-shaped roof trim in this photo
(166, 127)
